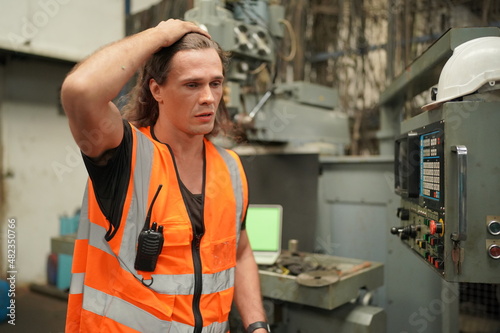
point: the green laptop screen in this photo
(263, 225)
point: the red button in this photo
(432, 227)
(435, 227)
(494, 251)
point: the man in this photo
(160, 246)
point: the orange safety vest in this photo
(191, 280)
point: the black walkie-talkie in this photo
(150, 242)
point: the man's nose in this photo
(207, 95)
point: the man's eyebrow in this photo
(217, 77)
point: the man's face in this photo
(189, 98)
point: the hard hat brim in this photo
(432, 106)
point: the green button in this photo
(494, 228)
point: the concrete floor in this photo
(42, 309)
(37, 312)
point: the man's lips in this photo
(204, 114)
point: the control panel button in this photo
(421, 243)
(435, 227)
(439, 264)
(494, 251)
(435, 241)
(494, 227)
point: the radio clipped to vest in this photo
(150, 242)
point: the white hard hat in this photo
(472, 65)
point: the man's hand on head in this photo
(173, 29)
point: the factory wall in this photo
(43, 175)
(62, 29)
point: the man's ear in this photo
(155, 89)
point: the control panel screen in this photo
(407, 166)
(431, 166)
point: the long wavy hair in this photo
(141, 108)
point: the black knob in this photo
(403, 214)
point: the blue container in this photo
(64, 271)
(68, 224)
(4, 300)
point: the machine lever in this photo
(260, 104)
(406, 232)
(247, 120)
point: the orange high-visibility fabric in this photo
(107, 267)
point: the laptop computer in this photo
(264, 226)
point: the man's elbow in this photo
(73, 92)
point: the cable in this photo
(293, 40)
(258, 69)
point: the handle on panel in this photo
(461, 152)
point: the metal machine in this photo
(294, 112)
(447, 169)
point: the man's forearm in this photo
(248, 298)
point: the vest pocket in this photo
(175, 257)
(216, 306)
(222, 254)
(176, 234)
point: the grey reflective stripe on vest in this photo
(123, 312)
(237, 182)
(176, 284)
(77, 280)
(139, 203)
(83, 224)
(83, 232)
(136, 318)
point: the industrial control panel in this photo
(447, 173)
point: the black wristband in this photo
(258, 324)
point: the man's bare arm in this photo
(247, 295)
(88, 91)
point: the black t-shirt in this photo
(110, 174)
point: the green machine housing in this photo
(447, 173)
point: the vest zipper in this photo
(198, 319)
(195, 246)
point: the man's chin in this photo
(205, 130)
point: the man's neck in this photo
(184, 146)
(188, 153)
